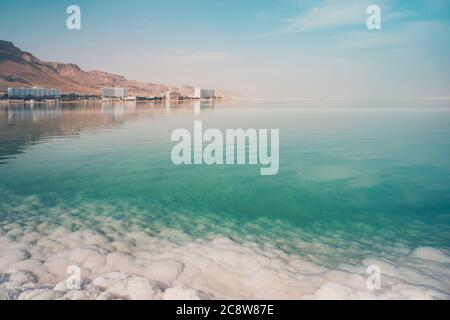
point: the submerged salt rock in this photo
(108, 280)
(124, 262)
(80, 295)
(105, 296)
(92, 237)
(335, 291)
(15, 232)
(96, 240)
(269, 284)
(61, 287)
(178, 293)
(95, 261)
(80, 255)
(9, 257)
(4, 277)
(306, 267)
(247, 270)
(39, 294)
(122, 245)
(386, 267)
(118, 259)
(415, 293)
(125, 286)
(31, 265)
(9, 293)
(47, 277)
(59, 266)
(163, 270)
(138, 236)
(428, 253)
(355, 281)
(59, 233)
(20, 277)
(140, 289)
(30, 237)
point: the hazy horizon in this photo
(261, 49)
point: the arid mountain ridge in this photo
(22, 69)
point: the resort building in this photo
(114, 92)
(34, 92)
(171, 95)
(204, 93)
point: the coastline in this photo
(51, 102)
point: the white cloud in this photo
(329, 14)
(334, 14)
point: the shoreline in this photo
(13, 103)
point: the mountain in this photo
(22, 69)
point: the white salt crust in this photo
(122, 254)
(121, 262)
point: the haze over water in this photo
(359, 184)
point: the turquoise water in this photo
(357, 178)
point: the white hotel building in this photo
(34, 93)
(113, 92)
(172, 95)
(204, 93)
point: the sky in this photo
(271, 49)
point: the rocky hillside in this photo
(19, 68)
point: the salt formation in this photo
(123, 255)
(135, 265)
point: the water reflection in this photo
(25, 112)
(22, 126)
(195, 106)
(201, 105)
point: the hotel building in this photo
(204, 93)
(172, 95)
(34, 92)
(113, 92)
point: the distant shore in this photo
(16, 102)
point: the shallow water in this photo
(359, 184)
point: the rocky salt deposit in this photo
(122, 254)
(120, 261)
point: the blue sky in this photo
(261, 48)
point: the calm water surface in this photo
(357, 177)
